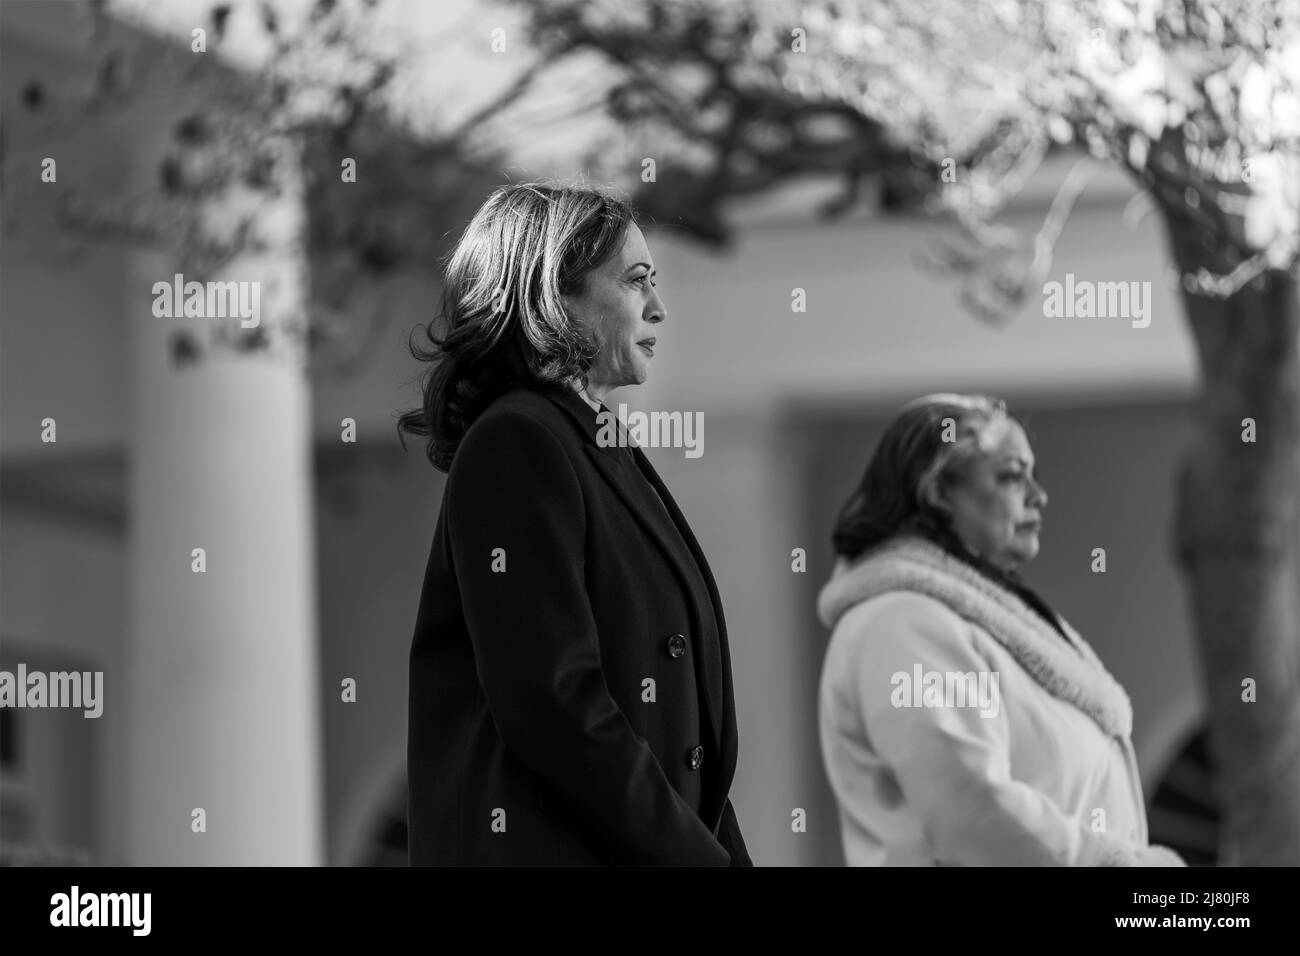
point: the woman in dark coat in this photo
(570, 680)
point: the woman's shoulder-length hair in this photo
(501, 320)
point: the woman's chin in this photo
(1027, 548)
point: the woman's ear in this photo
(934, 497)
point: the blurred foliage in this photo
(1198, 101)
(243, 133)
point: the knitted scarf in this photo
(1072, 673)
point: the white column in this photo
(222, 667)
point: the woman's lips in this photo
(647, 348)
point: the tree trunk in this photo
(1238, 541)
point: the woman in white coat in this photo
(962, 721)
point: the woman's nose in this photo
(1039, 495)
(658, 310)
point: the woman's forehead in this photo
(634, 247)
(1003, 436)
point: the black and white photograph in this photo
(651, 433)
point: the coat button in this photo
(695, 757)
(676, 645)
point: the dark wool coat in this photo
(570, 681)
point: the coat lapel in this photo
(617, 470)
(720, 689)
(615, 464)
(667, 526)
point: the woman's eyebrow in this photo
(646, 264)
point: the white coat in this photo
(1039, 769)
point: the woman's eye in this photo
(643, 279)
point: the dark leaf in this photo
(379, 254)
(33, 96)
(219, 15)
(192, 130)
(259, 172)
(112, 72)
(169, 175)
(321, 9)
(252, 340)
(184, 349)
